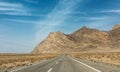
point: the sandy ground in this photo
(8, 61)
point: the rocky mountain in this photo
(115, 36)
(55, 42)
(81, 40)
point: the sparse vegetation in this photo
(107, 57)
(8, 61)
(16, 60)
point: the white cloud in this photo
(13, 9)
(7, 4)
(16, 13)
(111, 11)
(9, 9)
(22, 21)
(97, 18)
(32, 1)
(55, 18)
(94, 18)
(105, 24)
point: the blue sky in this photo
(25, 23)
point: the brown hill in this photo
(115, 36)
(55, 42)
(83, 39)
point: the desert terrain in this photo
(9, 61)
(86, 43)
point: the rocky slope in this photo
(81, 40)
(55, 42)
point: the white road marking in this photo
(87, 65)
(57, 62)
(50, 70)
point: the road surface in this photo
(65, 63)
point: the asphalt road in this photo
(65, 63)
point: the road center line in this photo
(50, 70)
(87, 65)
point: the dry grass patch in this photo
(16, 60)
(107, 57)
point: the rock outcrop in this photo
(81, 40)
(55, 42)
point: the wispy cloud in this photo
(111, 11)
(7, 4)
(21, 21)
(32, 1)
(105, 24)
(101, 25)
(16, 13)
(92, 18)
(55, 18)
(97, 18)
(13, 9)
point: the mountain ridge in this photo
(83, 39)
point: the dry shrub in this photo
(16, 60)
(107, 57)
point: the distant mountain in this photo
(83, 39)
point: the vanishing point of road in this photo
(65, 63)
